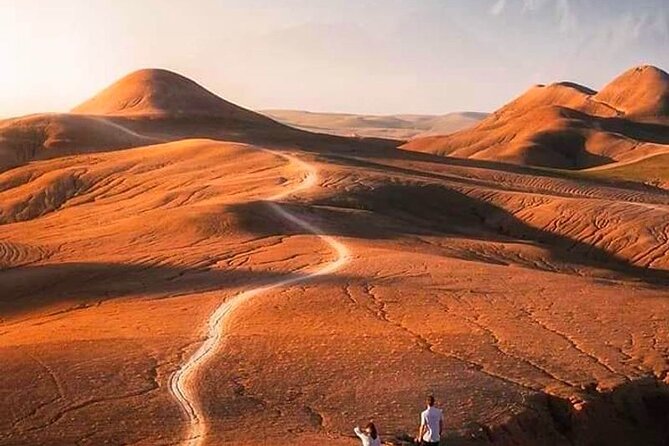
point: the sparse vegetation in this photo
(653, 170)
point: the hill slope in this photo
(531, 305)
(144, 107)
(162, 93)
(50, 135)
(640, 92)
(566, 125)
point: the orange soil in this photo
(565, 125)
(533, 306)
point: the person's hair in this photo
(372, 430)
(430, 400)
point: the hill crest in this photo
(162, 93)
(566, 125)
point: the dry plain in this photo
(533, 303)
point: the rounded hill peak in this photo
(163, 93)
(639, 91)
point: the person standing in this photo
(431, 424)
(370, 436)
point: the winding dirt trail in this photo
(182, 381)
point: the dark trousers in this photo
(429, 443)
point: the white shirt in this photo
(430, 418)
(366, 439)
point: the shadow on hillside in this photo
(566, 149)
(635, 413)
(337, 149)
(391, 211)
(374, 161)
(33, 287)
(641, 131)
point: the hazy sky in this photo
(372, 56)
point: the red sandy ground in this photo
(534, 307)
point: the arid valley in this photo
(176, 269)
(534, 300)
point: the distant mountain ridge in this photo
(400, 126)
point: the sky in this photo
(360, 56)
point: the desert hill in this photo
(377, 126)
(642, 92)
(162, 93)
(566, 125)
(44, 136)
(145, 107)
